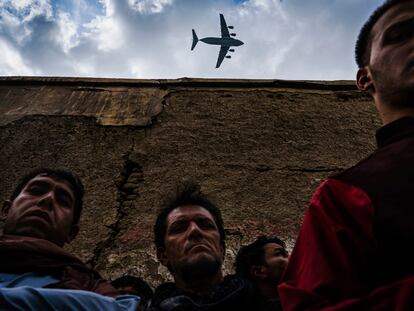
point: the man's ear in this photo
(364, 80)
(258, 272)
(5, 210)
(73, 233)
(162, 256)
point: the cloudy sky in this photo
(292, 39)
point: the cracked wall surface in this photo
(259, 147)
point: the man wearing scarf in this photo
(190, 240)
(42, 215)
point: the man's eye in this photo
(399, 35)
(34, 190)
(177, 228)
(64, 201)
(205, 224)
(63, 198)
(281, 252)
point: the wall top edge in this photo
(338, 85)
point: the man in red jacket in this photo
(354, 248)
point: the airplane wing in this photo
(222, 54)
(224, 30)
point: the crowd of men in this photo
(352, 253)
(36, 273)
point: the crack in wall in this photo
(129, 185)
(315, 169)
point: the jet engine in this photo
(231, 50)
(228, 56)
(230, 27)
(233, 34)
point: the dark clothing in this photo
(354, 250)
(234, 293)
(268, 305)
(20, 255)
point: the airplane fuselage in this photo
(225, 41)
(222, 41)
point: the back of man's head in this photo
(364, 41)
(132, 285)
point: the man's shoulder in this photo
(234, 293)
(388, 165)
(355, 172)
(24, 254)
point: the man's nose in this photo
(194, 230)
(47, 200)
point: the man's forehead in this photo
(273, 245)
(188, 211)
(43, 177)
(397, 13)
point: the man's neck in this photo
(201, 286)
(268, 290)
(393, 116)
(389, 113)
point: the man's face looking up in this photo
(275, 261)
(193, 248)
(44, 209)
(391, 62)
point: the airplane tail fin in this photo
(195, 40)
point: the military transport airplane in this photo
(226, 41)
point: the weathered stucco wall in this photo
(259, 147)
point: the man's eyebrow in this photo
(43, 183)
(177, 221)
(180, 219)
(37, 183)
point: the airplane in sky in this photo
(226, 41)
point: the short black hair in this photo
(141, 288)
(187, 193)
(71, 178)
(364, 41)
(253, 254)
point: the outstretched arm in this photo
(30, 298)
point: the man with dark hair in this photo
(189, 236)
(41, 216)
(18, 211)
(132, 285)
(353, 250)
(263, 262)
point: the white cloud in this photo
(28, 9)
(67, 35)
(149, 6)
(12, 26)
(105, 32)
(109, 6)
(11, 62)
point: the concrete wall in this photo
(259, 147)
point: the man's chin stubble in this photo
(393, 94)
(200, 269)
